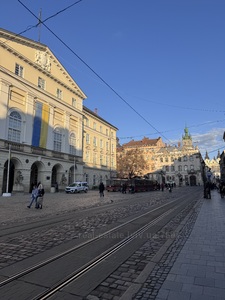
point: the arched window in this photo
(72, 144)
(57, 140)
(14, 130)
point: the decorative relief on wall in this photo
(43, 59)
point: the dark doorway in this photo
(54, 176)
(193, 180)
(33, 176)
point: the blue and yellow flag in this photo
(40, 127)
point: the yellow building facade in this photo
(42, 119)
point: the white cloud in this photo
(211, 141)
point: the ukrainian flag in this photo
(40, 127)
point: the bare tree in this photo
(130, 163)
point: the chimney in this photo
(96, 111)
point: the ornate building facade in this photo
(180, 165)
(42, 120)
(213, 165)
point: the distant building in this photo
(213, 166)
(222, 162)
(179, 165)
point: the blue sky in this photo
(162, 62)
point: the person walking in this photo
(34, 194)
(101, 189)
(40, 195)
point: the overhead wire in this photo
(109, 86)
(92, 70)
(39, 21)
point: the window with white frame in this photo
(19, 70)
(14, 130)
(72, 142)
(192, 167)
(59, 94)
(107, 146)
(57, 140)
(41, 83)
(87, 138)
(185, 168)
(101, 143)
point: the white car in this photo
(77, 187)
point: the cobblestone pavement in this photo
(190, 265)
(14, 209)
(140, 277)
(185, 260)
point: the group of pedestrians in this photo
(37, 195)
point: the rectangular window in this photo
(19, 70)
(41, 83)
(87, 138)
(95, 141)
(94, 126)
(101, 144)
(59, 94)
(57, 141)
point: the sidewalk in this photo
(199, 270)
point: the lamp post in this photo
(74, 165)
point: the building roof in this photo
(144, 142)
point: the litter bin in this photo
(52, 189)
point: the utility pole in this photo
(39, 25)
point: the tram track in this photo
(129, 232)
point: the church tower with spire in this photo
(187, 139)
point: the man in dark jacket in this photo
(101, 189)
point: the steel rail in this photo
(100, 258)
(72, 249)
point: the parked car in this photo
(77, 187)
